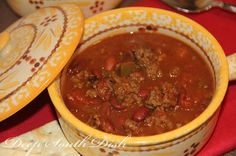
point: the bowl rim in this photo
(159, 138)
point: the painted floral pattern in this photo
(8, 55)
(20, 56)
(191, 150)
(37, 3)
(97, 6)
(31, 70)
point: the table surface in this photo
(7, 17)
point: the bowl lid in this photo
(33, 51)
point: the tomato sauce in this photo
(137, 84)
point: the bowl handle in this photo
(232, 66)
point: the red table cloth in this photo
(220, 23)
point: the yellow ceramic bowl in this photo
(187, 139)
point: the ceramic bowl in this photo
(88, 7)
(186, 140)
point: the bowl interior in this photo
(153, 21)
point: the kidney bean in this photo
(143, 93)
(110, 63)
(117, 105)
(140, 114)
(107, 126)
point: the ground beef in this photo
(147, 59)
(166, 123)
(124, 87)
(144, 56)
(155, 98)
(92, 93)
(152, 121)
(136, 77)
(165, 96)
(159, 120)
(130, 126)
(132, 99)
(154, 71)
(104, 88)
(171, 95)
(82, 79)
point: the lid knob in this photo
(4, 38)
